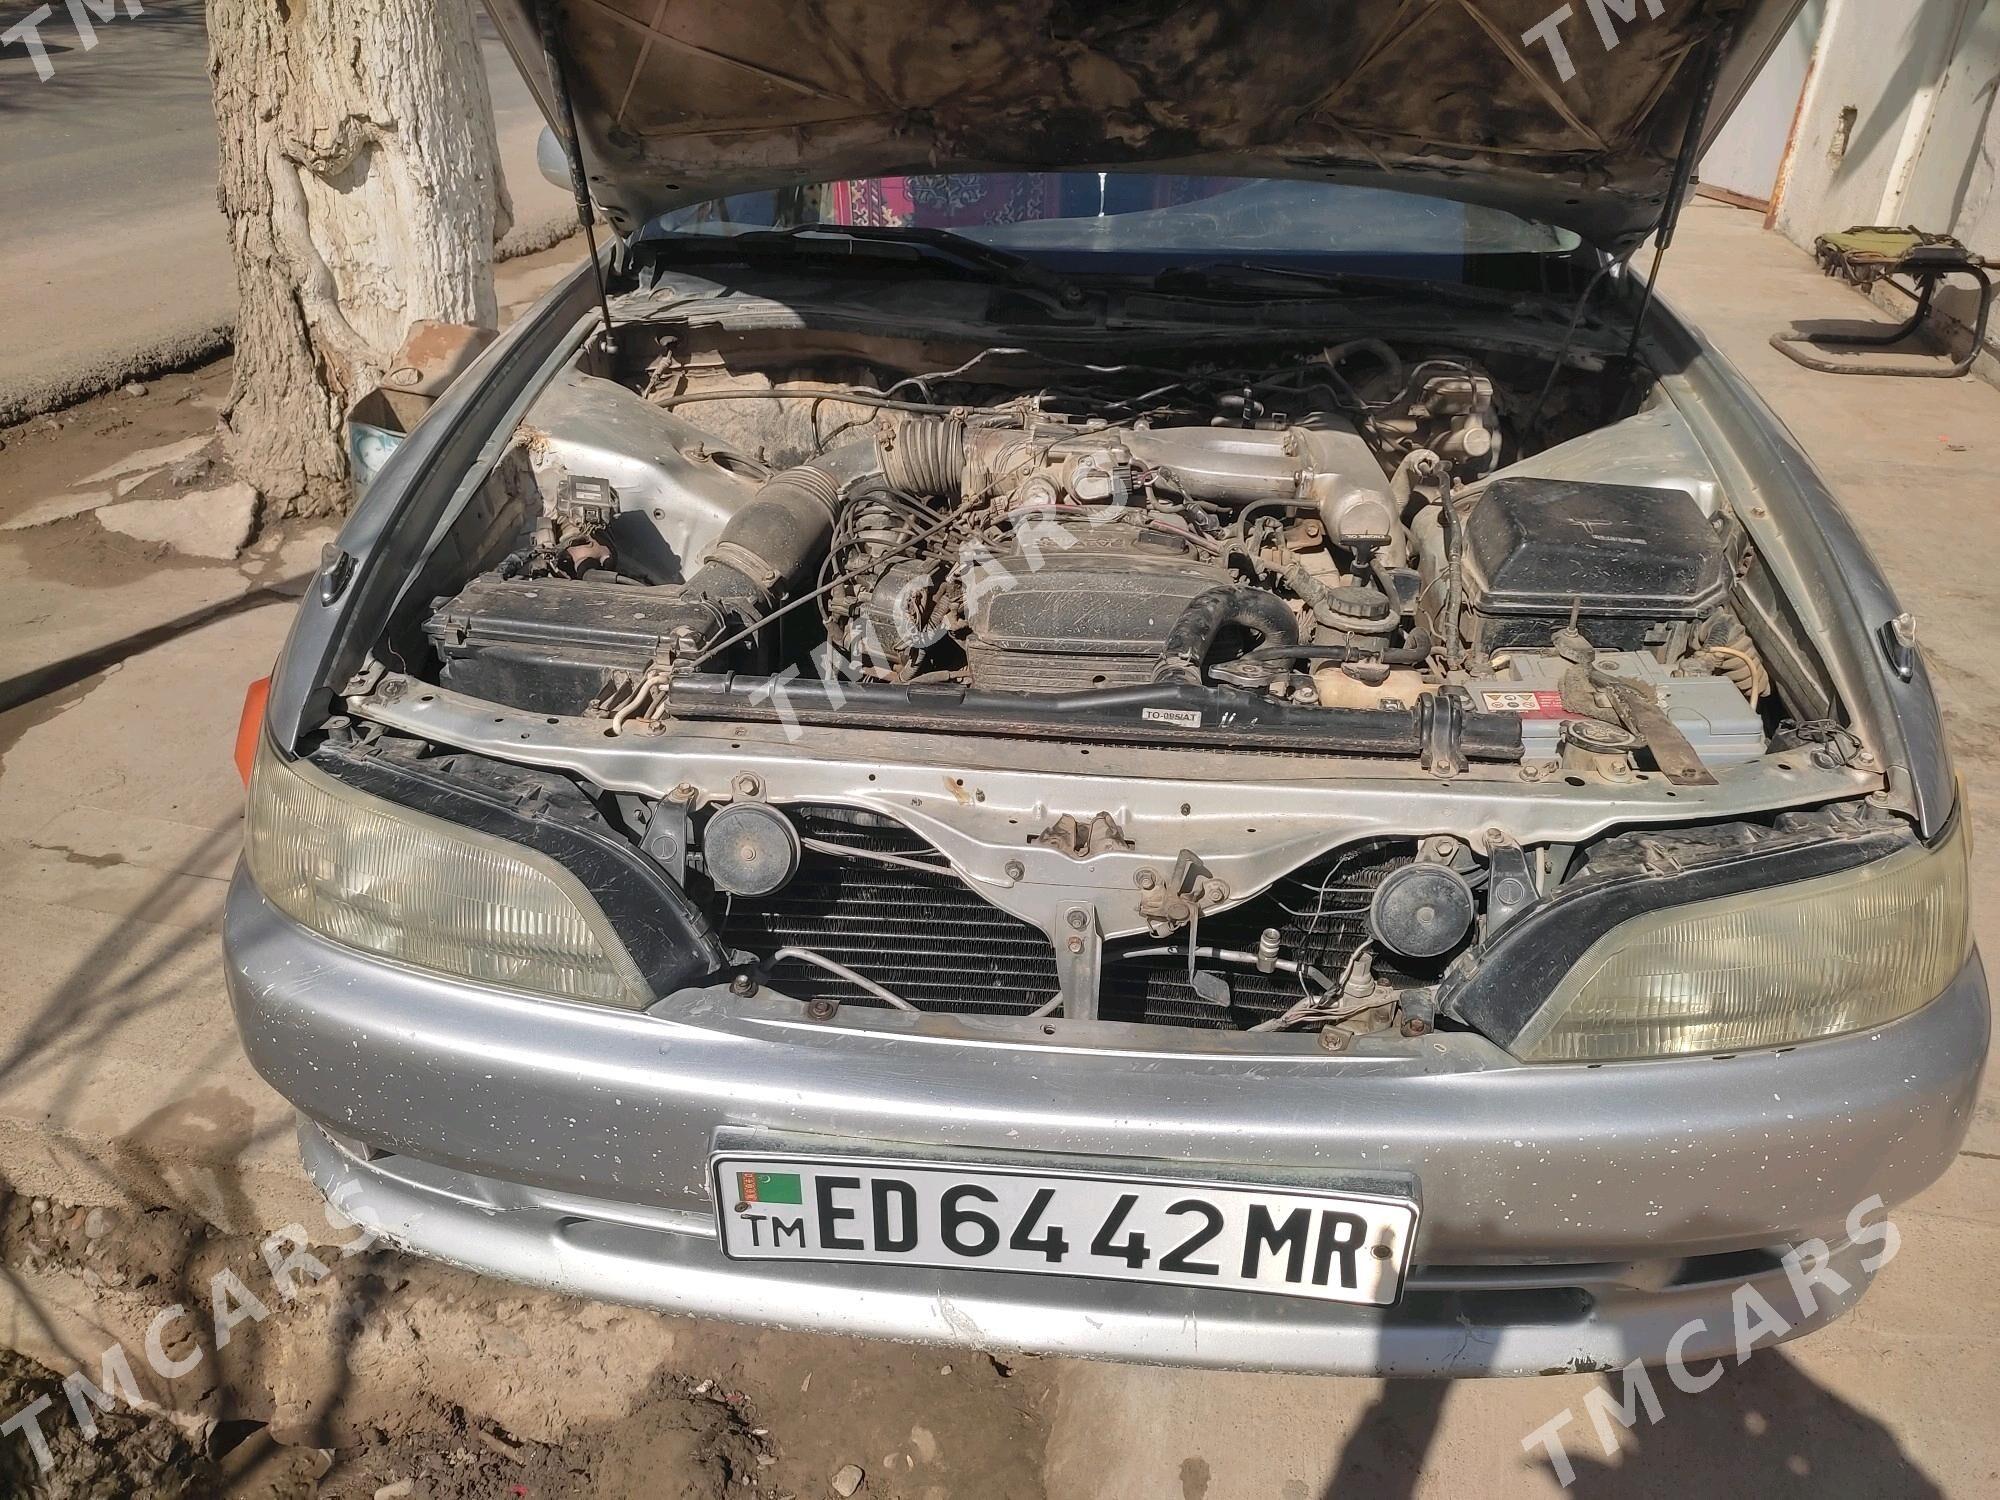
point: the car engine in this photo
(1325, 555)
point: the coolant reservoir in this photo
(1337, 690)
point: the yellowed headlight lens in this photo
(406, 886)
(1767, 968)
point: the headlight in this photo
(405, 886)
(1767, 968)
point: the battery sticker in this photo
(1539, 704)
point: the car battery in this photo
(1714, 715)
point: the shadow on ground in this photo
(1765, 1429)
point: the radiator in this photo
(929, 938)
(935, 941)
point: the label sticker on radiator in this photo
(1180, 718)
(1539, 704)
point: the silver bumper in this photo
(1518, 1321)
(1570, 1215)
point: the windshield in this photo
(1133, 213)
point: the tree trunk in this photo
(360, 176)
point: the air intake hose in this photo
(778, 541)
(1208, 615)
(923, 455)
(774, 542)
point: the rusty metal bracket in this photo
(1181, 899)
(1080, 840)
(1638, 708)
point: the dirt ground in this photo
(135, 1455)
(48, 455)
(292, 1408)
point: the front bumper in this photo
(1573, 1217)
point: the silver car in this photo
(1112, 687)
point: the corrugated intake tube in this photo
(923, 456)
(777, 541)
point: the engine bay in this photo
(1328, 553)
(757, 594)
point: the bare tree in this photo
(360, 177)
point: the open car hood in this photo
(1571, 114)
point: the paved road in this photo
(112, 253)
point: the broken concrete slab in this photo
(213, 522)
(58, 508)
(150, 458)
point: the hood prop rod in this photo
(1683, 182)
(586, 211)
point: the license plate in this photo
(1333, 1246)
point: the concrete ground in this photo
(120, 1081)
(115, 261)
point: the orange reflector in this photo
(251, 726)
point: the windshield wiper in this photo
(921, 242)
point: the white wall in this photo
(1744, 159)
(1952, 182)
(1877, 65)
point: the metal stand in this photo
(1926, 264)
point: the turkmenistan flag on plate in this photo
(768, 1187)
